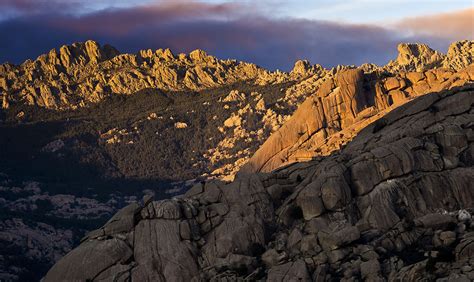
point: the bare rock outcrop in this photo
(83, 73)
(394, 204)
(415, 57)
(460, 54)
(420, 57)
(303, 69)
(341, 108)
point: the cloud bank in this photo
(229, 30)
(442, 27)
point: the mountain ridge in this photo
(97, 73)
(87, 72)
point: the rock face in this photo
(395, 203)
(418, 57)
(341, 107)
(460, 54)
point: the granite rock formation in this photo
(394, 204)
(343, 106)
(420, 57)
(83, 73)
(460, 54)
(86, 72)
(86, 110)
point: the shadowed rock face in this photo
(394, 203)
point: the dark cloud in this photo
(225, 30)
(32, 7)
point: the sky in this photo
(271, 33)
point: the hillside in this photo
(389, 205)
(87, 84)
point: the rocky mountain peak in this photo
(301, 67)
(460, 54)
(198, 55)
(413, 49)
(416, 56)
(79, 54)
(165, 54)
